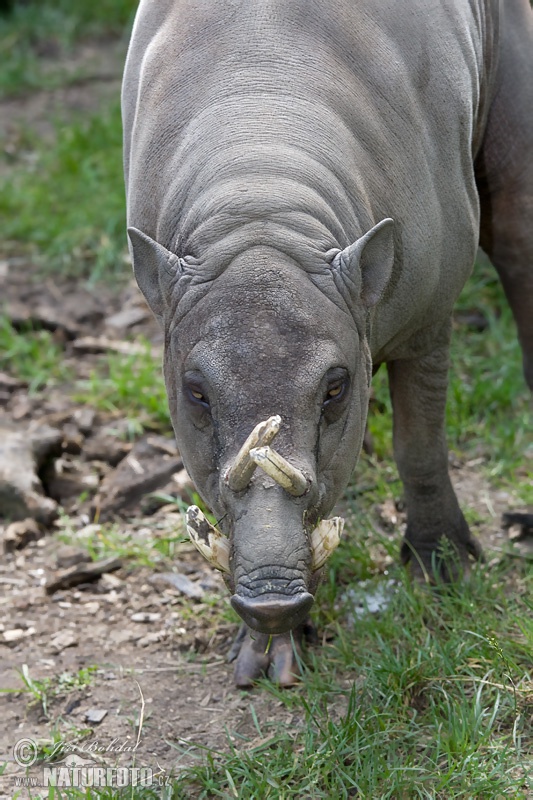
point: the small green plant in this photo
(58, 745)
(147, 546)
(132, 385)
(67, 681)
(43, 689)
(31, 355)
(39, 689)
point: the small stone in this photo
(152, 638)
(62, 640)
(84, 419)
(92, 607)
(182, 583)
(14, 635)
(69, 556)
(109, 581)
(145, 617)
(19, 534)
(95, 715)
(128, 317)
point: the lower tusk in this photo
(242, 469)
(279, 469)
(324, 540)
(211, 543)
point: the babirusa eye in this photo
(335, 391)
(197, 395)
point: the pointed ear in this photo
(155, 269)
(368, 261)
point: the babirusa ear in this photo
(368, 261)
(155, 269)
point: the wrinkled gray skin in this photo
(307, 185)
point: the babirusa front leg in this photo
(437, 538)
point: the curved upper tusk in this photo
(279, 469)
(211, 543)
(240, 473)
(324, 540)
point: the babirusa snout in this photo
(242, 469)
(279, 469)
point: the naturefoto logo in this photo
(74, 771)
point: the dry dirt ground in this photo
(154, 647)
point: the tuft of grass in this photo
(43, 689)
(68, 202)
(132, 385)
(149, 546)
(31, 355)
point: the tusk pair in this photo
(255, 452)
(214, 546)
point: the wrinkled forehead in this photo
(264, 314)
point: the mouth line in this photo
(273, 614)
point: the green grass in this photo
(148, 547)
(31, 355)
(68, 202)
(132, 385)
(42, 690)
(39, 36)
(428, 699)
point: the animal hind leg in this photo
(504, 172)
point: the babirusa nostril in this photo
(279, 469)
(240, 473)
